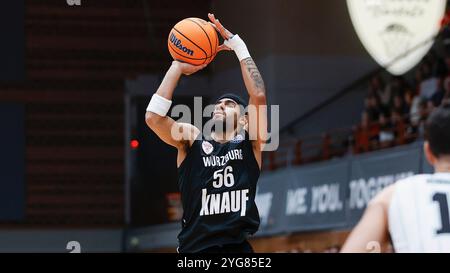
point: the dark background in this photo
(12, 162)
(12, 46)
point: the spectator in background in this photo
(430, 83)
(425, 69)
(398, 126)
(386, 135)
(447, 95)
(427, 64)
(417, 80)
(414, 112)
(376, 85)
(423, 114)
(437, 97)
(398, 86)
(446, 83)
(372, 108)
(440, 72)
(430, 107)
(400, 106)
(440, 68)
(410, 100)
(384, 97)
(446, 32)
(447, 62)
(446, 77)
(365, 134)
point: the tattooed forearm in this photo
(254, 74)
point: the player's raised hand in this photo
(225, 33)
(187, 69)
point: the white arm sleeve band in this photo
(159, 105)
(239, 47)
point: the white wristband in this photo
(159, 105)
(239, 47)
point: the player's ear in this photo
(431, 158)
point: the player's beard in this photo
(222, 126)
(219, 126)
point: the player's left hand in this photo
(225, 33)
(187, 69)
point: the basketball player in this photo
(216, 177)
(413, 212)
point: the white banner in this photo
(397, 33)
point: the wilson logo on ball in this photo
(177, 43)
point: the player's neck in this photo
(442, 165)
(223, 137)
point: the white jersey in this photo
(419, 219)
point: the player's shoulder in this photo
(385, 196)
(413, 180)
(407, 189)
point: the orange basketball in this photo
(194, 41)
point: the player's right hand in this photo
(187, 69)
(225, 33)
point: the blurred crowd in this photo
(395, 109)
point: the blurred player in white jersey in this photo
(414, 212)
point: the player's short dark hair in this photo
(437, 130)
(236, 98)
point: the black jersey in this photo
(218, 186)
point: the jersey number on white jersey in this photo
(441, 198)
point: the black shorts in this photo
(244, 247)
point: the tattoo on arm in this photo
(254, 73)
